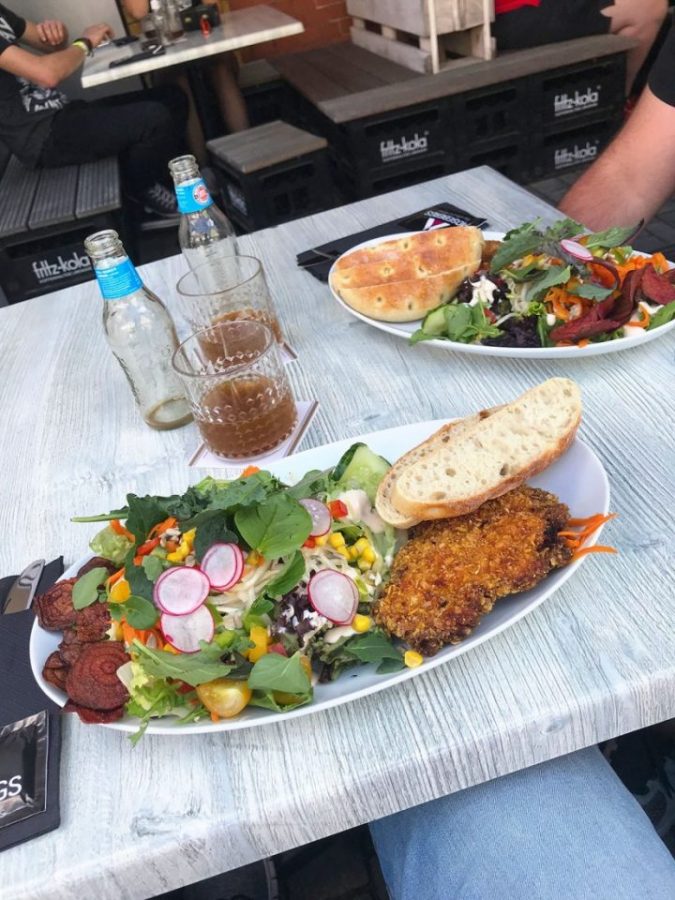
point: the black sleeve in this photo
(16, 24)
(662, 75)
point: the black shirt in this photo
(26, 110)
(662, 75)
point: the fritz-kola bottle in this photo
(140, 333)
(205, 233)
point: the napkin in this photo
(21, 697)
(319, 260)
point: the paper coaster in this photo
(203, 458)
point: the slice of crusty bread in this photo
(499, 453)
(453, 430)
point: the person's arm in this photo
(50, 70)
(634, 176)
(47, 36)
(136, 8)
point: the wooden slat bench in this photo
(44, 216)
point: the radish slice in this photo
(181, 590)
(223, 565)
(185, 632)
(577, 250)
(321, 517)
(334, 596)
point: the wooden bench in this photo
(45, 215)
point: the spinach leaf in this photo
(389, 665)
(85, 589)
(457, 320)
(421, 335)
(481, 326)
(153, 567)
(139, 582)
(212, 529)
(551, 277)
(590, 291)
(312, 483)
(516, 244)
(192, 668)
(373, 646)
(139, 612)
(662, 317)
(260, 607)
(611, 237)
(543, 331)
(289, 576)
(266, 700)
(144, 512)
(273, 672)
(276, 527)
(525, 273)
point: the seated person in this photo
(223, 73)
(43, 129)
(529, 23)
(636, 174)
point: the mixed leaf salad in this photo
(244, 593)
(557, 287)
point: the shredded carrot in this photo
(170, 546)
(115, 577)
(583, 343)
(249, 470)
(118, 528)
(131, 634)
(162, 526)
(602, 274)
(596, 548)
(644, 320)
(147, 547)
(215, 717)
(600, 518)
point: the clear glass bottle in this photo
(205, 233)
(140, 333)
(173, 20)
(159, 18)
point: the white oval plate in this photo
(405, 329)
(578, 478)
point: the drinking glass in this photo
(237, 387)
(227, 288)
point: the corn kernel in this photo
(412, 659)
(362, 623)
(362, 544)
(343, 552)
(120, 591)
(321, 540)
(336, 539)
(189, 536)
(362, 564)
(368, 555)
(353, 552)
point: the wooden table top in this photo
(241, 28)
(595, 660)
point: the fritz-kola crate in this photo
(271, 174)
(424, 35)
(575, 91)
(562, 150)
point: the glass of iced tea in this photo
(227, 288)
(237, 387)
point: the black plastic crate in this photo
(492, 113)
(31, 266)
(267, 102)
(588, 89)
(277, 194)
(564, 150)
(357, 183)
(510, 157)
(402, 136)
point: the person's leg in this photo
(145, 129)
(639, 19)
(563, 829)
(230, 99)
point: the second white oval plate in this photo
(577, 478)
(405, 329)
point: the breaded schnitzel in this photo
(451, 571)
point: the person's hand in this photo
(98, 33)
(52, 32)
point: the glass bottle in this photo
(140, 333)
(205, 233)
(158, 13)
(173, 19)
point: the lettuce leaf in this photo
(110, 545)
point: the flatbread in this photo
(402, 279)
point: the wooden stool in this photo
(271, 174)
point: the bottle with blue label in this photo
(205, 233)
(140, 333)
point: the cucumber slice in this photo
(359, 467)
(434, 321)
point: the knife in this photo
(21, 593)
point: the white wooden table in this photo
(594, 661)
(241, 28)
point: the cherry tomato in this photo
(225, 697)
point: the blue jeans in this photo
(563, 830)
